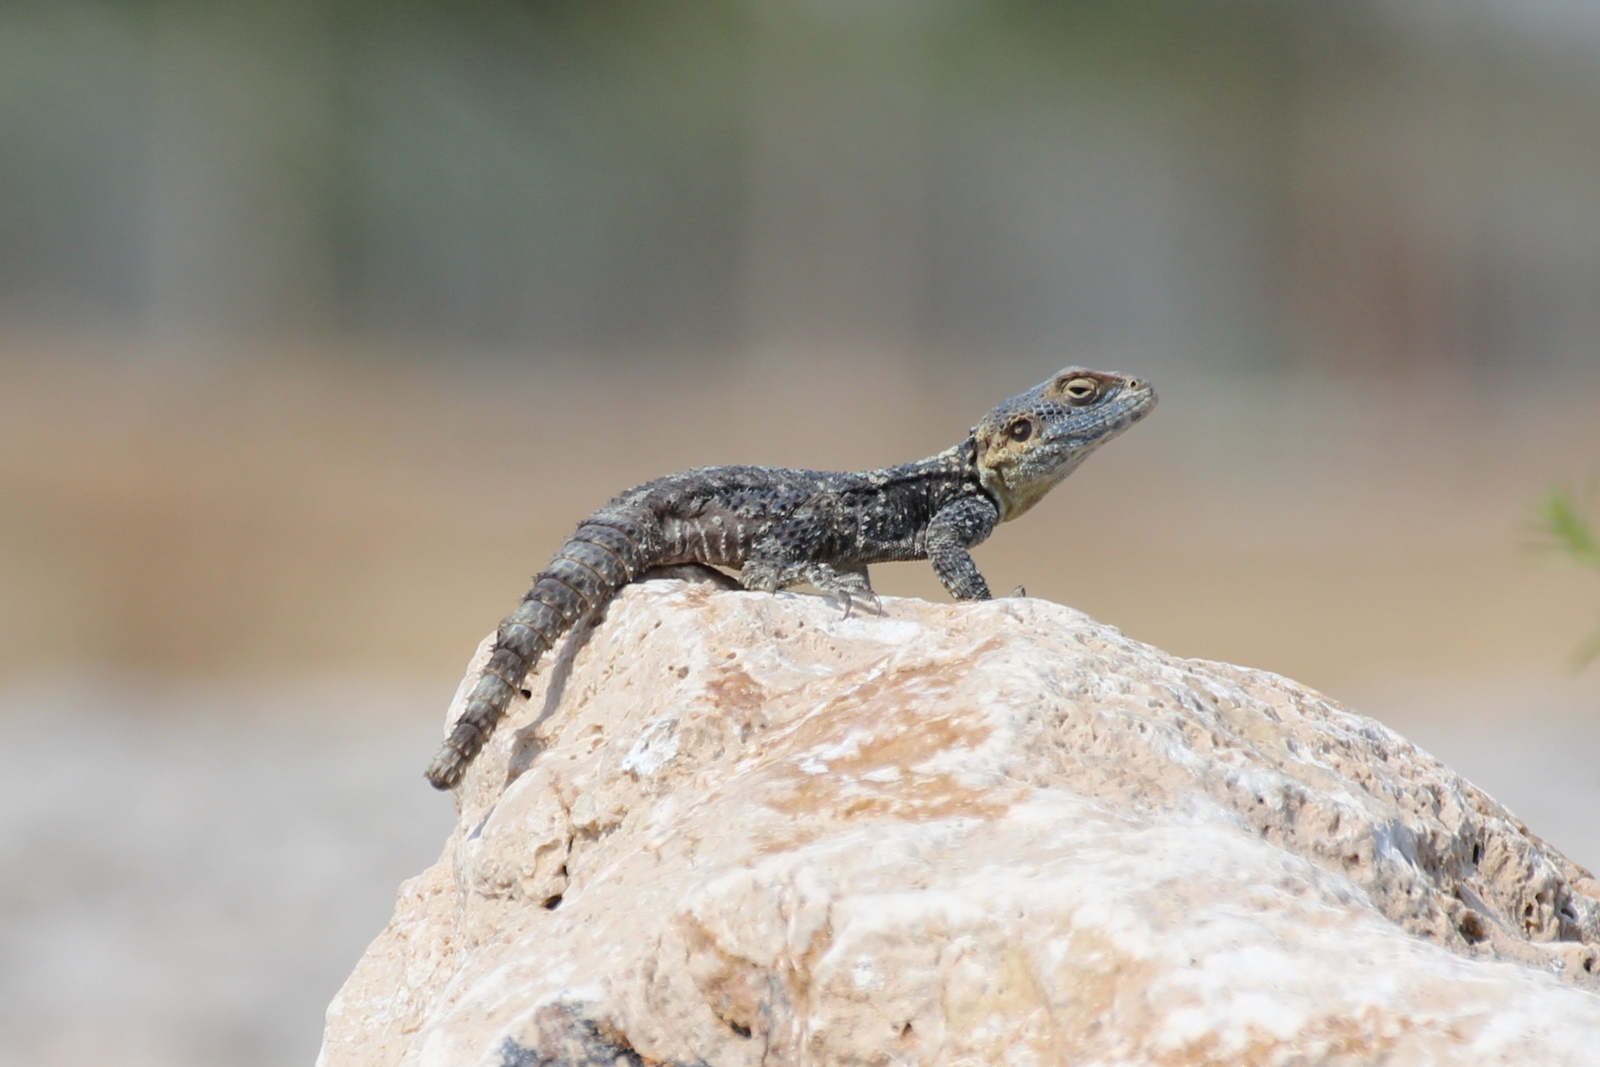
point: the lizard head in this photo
(1029, 443)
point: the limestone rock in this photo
(732, 828)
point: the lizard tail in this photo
(607, 551)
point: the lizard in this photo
(781, 526)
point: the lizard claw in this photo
(1019, 591)
(843, 587)
(848, 598)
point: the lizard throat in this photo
(1014, 500)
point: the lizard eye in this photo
(1081, 390)
(1020, 430)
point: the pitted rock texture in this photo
(734, 829)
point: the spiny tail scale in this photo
(610, 549)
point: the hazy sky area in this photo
(322, 321)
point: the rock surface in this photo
(731, 828)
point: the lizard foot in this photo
(761, 576)
(844, 586)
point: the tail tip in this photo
(446, 769)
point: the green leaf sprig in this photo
(1562, 529)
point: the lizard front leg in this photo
(955, 528)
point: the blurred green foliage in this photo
(1565, 531)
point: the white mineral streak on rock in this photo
(734, 828)
(654, 750)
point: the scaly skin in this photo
(781, 527)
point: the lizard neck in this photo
(942, 477)
(956, 462)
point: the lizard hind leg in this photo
(769, 576)
(845, 585)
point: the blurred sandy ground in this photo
(307, 551)
(190, 871)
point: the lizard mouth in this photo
(1122, 409)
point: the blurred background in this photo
(321, 321)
